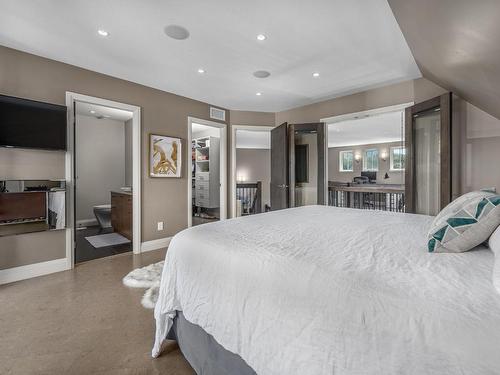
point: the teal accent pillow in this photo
(465, 223)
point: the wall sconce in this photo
(357, 157)
(383, 155)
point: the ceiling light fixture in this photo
(201, 71)
(92, 111)
(176, 32)
(261, 37)
(102, 32)
(315, 74)
(258, 93)
(261, 74)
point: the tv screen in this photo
(30, 124)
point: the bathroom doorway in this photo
(104, 178)
(103, 188)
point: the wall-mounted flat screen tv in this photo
(31, 124)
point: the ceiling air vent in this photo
(217, 114)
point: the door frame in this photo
(318, 127)
(71, 99)
(443, 102)
(356, 115)
(234, 128)
(222, 170)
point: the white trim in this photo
(370, 112)
(391, 159)
(155, 244)
(222, 169)
(234, 128)
(341, 169)
(11, 275)
(365, 160)
(71, 98)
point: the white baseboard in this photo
(155, 244)
(86, 223)
(10, 275)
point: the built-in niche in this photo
(32, 206)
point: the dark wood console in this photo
(121, 213)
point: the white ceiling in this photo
(253, 139)
(354, 44)
(85, 109)
(381, 128)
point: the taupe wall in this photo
(416, 90)
(100, 163)
(37, 78)
(395, 177)
(255, 165)
(252, 118)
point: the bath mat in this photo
(108, 239)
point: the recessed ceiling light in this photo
(92, 111)
(261, 37)
(176, 32)
(102, 32)
(201, 71)
(315, 74)
(258, 93)
(261, 74)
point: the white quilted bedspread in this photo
(324, 290)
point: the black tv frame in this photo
(36, 103)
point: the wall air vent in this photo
(217, 114)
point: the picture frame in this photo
(165, 156)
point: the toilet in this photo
(103, 215)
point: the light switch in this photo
(160, 225)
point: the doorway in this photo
(430, 185)
(250, 169)
(207, 171)
(298, 165)
(366, 159)
(103, 173)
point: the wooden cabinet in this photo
(121, 213)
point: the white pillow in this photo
(494, 244)
(465, 223)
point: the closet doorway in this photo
(207, 171)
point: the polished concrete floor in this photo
(83, 321)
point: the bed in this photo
(327, 290)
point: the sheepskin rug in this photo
(146, 277)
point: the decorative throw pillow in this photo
(494, 244)
(465, 223)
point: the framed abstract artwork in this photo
(165, 156)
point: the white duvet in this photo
(323, 290)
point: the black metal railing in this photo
(250, 196)
(358, 197)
